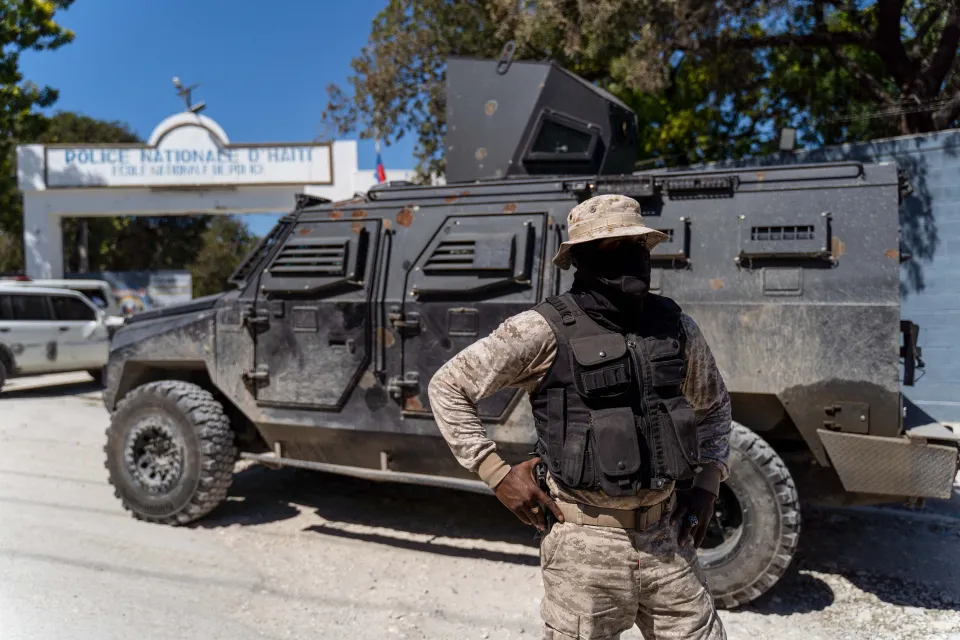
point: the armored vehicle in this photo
(321, 355)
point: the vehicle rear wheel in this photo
(753, 536)
(97, 375)
(170, 452)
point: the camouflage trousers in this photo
(599, 581)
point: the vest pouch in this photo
(601, 367)
(666, 360)
(617, 450)
(681, 446)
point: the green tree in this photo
(223, 245)
(709, 80)
(24, 25)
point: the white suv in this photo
(45, 330)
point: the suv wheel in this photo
(170, 452)
(754, 534)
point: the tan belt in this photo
(636, 519)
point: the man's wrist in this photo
(493, 469)
(708, 479)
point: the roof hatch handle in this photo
(506, 57)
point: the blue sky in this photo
(263, 67)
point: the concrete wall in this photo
(930, 232)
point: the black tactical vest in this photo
(610, 414)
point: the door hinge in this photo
(406, 324)
(398, 386)
(261, 373)
(254, 318)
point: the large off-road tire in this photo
(3, 373)
(754, 535)
(170, 452)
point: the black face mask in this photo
(610, 285)
(622, 272)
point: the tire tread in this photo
(788, 502)
(217, 450)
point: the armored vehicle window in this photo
(30, 307)
(558, 138)
(71, 309)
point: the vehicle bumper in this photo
(909, 466)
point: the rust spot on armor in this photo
(450, 199)
(306, 232)
(359, 213)
(893, 254)
(716, 284)
(761, 175)
(510, 207)
(386, 224)
(412, 403)
(480, 154)
(336, 214)
(837, 247)
(385, 337)
(490, 107)
(405, 217)
(357, 227)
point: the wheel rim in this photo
(726, 529)
(154, 456)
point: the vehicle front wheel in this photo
(170, 452)
(754, 534)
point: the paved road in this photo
(296, 554)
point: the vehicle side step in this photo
(474, 486)
(891, 466)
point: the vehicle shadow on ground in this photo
(15, 391)
(902, 562)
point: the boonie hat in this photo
(607, 216)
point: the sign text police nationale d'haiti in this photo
(120, 166)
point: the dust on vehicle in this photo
(320, 357)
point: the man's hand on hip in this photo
(518, 491)
(694, 511)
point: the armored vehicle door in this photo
(474, 273)
(314, 305)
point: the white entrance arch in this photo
(188, 166)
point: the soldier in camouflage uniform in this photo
(629, 406)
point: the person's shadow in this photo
(897, 559)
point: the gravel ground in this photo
(295, 554)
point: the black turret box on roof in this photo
(532, 118)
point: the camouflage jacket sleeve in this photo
(517, 354)
(705, 390)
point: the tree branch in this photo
(933, 13)
(809, 40)
(945, 115)
(871, 84)
(888, 44)
(942, 60)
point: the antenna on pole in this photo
(186, 94)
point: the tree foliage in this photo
(24, 25)
(225, 242)
(709, 80)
